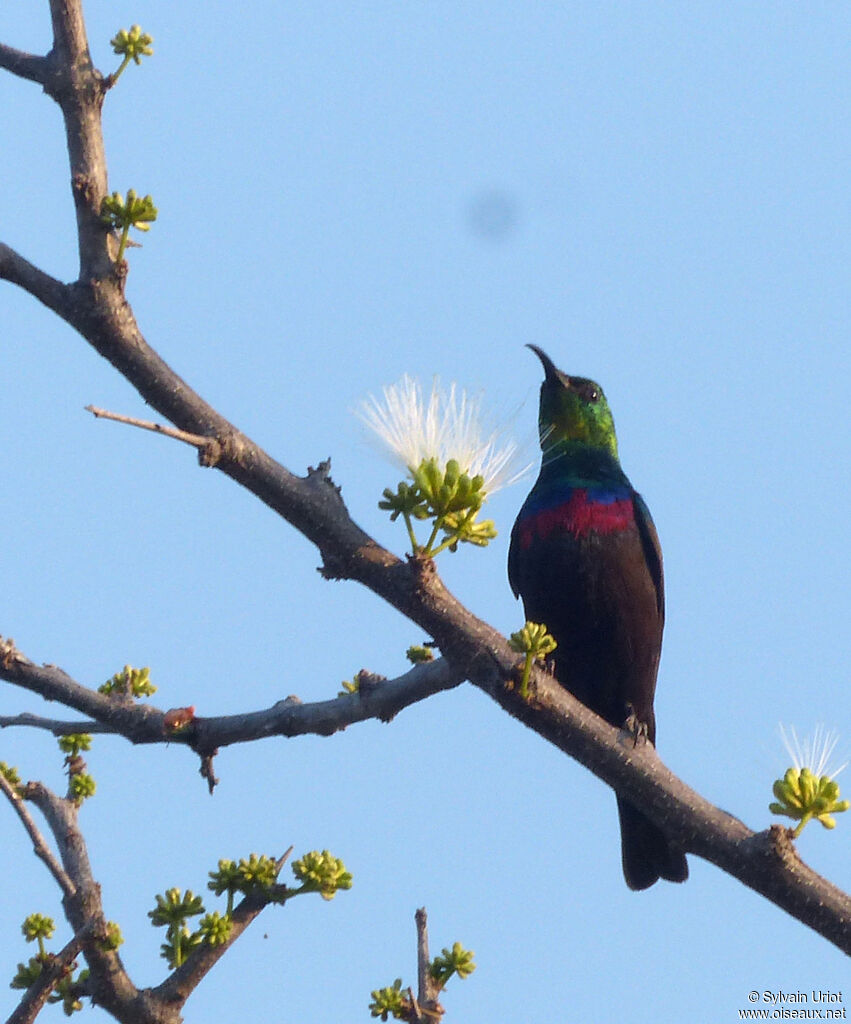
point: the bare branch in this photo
(40, 847)
(144, 723)
(382, 700)
(24, 65)
(59, 727)
(196, 440)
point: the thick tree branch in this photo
(24, 65)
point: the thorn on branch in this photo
(279, 863)
(206, 772)
(332, 569)
(320, 476)
(322, 472)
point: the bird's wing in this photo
(513, 567)
(652, 548)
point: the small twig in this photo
(40, 847)
(421, 919)
(57, 726)
(198, 441)
(17, 270)
(425, 1006)
(24, 65)
(284, 858)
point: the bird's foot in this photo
(637, 729)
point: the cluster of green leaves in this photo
(81, 784)
(391, 1001)
(322, 873)
(120, 214)
(132, 44)
(256, 875)
(129, 682)
(10, 774)
(419, 653)
(416, 654)
(350, 686)
(67, 989)
(449, 498)
(535, 643)
(451, 962)
(116, 212)
(804, 797)
(395, 1000)
(172, 911)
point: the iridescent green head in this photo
(573, 409)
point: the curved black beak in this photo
(551, 373)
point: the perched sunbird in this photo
(586, 560)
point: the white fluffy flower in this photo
(814, 751)
(445, 425)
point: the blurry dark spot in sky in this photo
(492, 215)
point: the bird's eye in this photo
(593, 395)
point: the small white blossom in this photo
(445, 425)
(814, 751)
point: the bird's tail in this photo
(646, 851)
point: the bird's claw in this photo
(637, 729)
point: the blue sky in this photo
(657, 195)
